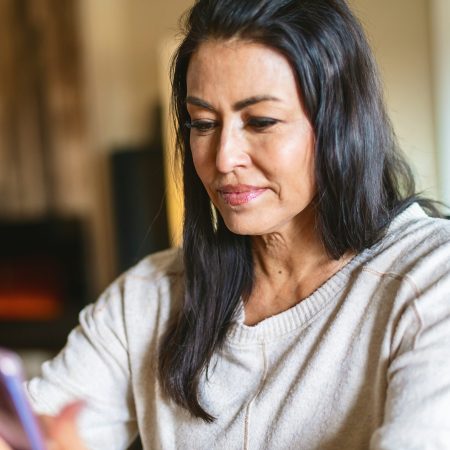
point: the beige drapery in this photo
(42, 134)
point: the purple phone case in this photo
(18, 424)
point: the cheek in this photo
(198, 159)
(203, 167)
(202, 156)
(294, 168)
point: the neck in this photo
(291, 252)
(288, 266)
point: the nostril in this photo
(228, 159)
(231, 149)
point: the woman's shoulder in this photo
(409, 272)
(415, 218)
(413, 233)
(415, 246)
(155, 283)
(164, 264)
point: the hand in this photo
(60, 431)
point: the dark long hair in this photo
(362, 180)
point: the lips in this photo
(240, 194)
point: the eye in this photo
(261, 123)
(202, 126)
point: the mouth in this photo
(241, 194)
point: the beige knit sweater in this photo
(364, 362)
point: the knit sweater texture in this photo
(362, 363)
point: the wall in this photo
(399, 34)
(440, 38)
(120, 45)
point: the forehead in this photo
(238, 69)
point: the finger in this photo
(71, 411)
(62, 428)
(4, 445)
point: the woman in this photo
(310, 306)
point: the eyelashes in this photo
(201, 126)
(261, 123)
(257, 124)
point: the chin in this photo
(243, 227)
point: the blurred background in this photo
(87, 184)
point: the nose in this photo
(232, 151)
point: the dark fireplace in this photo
(43, 282)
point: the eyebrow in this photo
(241, 104)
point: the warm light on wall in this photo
(173, 174)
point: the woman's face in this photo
(251, 142)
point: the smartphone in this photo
(19, 426)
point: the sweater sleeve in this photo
(93, 367)
(417, 408)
